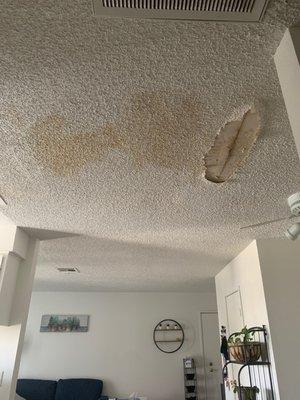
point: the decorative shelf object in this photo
(254, 375)
(169, 341)
(190, 379)
(168, 336)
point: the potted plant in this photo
(245, 392)
(242, 346)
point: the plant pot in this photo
(247, 393)
(245, 352)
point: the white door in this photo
(211, 357)
(234, 309)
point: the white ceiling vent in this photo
(68, 270)
(213, 10)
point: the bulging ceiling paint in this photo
(104, 124)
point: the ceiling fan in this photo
(294, 204)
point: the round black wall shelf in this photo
(168, 336)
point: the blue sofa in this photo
(64, 389)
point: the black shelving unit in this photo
(256, 373)
(190, 379)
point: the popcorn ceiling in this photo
(147, 99)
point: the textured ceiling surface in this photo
(104, 124)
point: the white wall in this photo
(287, 61)
(12, 238)
(16, 279)
(280, 265)
(118, 347)
(244, 274)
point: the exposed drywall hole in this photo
(232, 147)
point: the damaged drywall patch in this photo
(232, 147)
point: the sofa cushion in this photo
(78, 389)
(36, 389)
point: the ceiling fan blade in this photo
(269, 222)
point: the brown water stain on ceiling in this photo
(64, 151)
(153, 129)
(164, 134)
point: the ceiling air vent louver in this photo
(68, 270)
(213, 10)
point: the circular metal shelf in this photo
(163, 341)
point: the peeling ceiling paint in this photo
(232, 147)
(104, 124)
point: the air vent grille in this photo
(68, 270)
(241, 6)
(218, 10)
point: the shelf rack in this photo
(258, 372)
(169, 341)
(168, 336)
(168, 330)
(190, 379)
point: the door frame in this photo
(202, 340)
(237, 290)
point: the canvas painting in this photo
(64, 323)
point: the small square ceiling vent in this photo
(70, 270)
(209, 10)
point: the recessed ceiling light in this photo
(2, 202)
